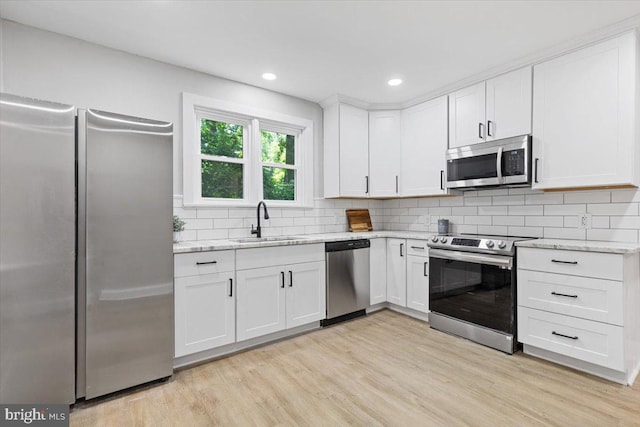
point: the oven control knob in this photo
(434, 239)
(489, 243)
(501, 244)
(443, 239)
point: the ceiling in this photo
(322, 48)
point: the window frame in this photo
(196, 107)
(283, 129)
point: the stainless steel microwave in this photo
(506, 162)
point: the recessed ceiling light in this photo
(269, 76)
(394, 82)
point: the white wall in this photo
(49, 66)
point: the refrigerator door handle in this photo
(81, 266)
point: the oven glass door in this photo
(478, 293)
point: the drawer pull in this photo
(418, 247)
(564, 262)
(564, 336)
(206, 262)
(564, 295)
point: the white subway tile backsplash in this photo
(544, 221)
(516, 211)
(509, 200)
(618, 235)
(613, 209)
(526, 210)
(587, 197)
(544, 199)
(564, 209)
(564, 233)
(508, 220)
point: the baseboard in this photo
(634, 375)
(580, 365)
(230, 349)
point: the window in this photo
(237, 155)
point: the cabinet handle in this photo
(564, 262)
(425, 269)
(230, 287)
(282, 276)
(442, 180)
(401, 249)
(366, 178)
(489, 127)
(206, 262)
(290, 279)
(396, 184)
(418, 247)
(564, 336)
(480, 130)
(535, 170)
(563, 295)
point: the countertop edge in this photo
(582, 245)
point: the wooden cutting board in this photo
(359, 220)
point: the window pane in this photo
(279, 183)
(220, 139)
(278, 148)
(221, 180)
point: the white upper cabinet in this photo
(346, 151)
(495, 109)
(424, 146)
(584, 117)
(509, 105)
(384, 153)
(466, 116)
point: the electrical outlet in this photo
(584, 221)
(427, 220)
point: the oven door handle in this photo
(505, 262)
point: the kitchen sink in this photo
(268, 239)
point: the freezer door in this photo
(129, 251)
(37, 251)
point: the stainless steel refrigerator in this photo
(37, 251)
(92, 199)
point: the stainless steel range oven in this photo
(472, 288)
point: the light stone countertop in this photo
(254, 242)
(581, 245)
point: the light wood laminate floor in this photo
(384, 369)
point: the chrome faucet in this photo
(258, 231)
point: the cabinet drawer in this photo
(209, 262)
(593, 342)
(417, 248)
(588, 264)
(585, 297)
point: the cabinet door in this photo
(204, 312)
(261, 301)
(306, 293)
(509, 105)
(384, 153)
(418, 283)
(424, 146)
(466, 116)
(354, 151)
(583, 117)
(378, 271)
(396, 272)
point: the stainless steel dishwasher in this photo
(347, 279)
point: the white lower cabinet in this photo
(378, 271)
(578, 308)
(204, 303)
(271, 299)
(397, 271)
(418, 275)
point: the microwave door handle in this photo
(499, 165)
